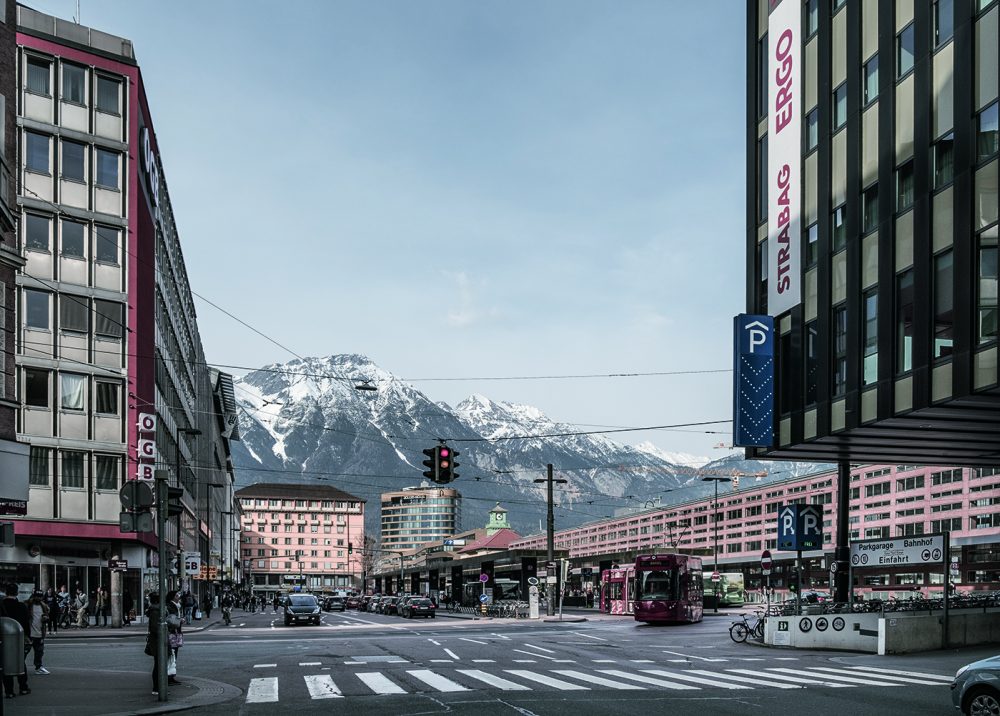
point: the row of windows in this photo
(73, 469)
(76, 239)
(310, 504)
(76, 313)
(74, 87)
(77, 160)
(75, 392)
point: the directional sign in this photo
(753, 380)
(800, 527)
(766, 562)
(118, 565)
(483, 598)
(903, 552)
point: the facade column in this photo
(842, 552)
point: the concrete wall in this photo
(903, 634)
(849, 632)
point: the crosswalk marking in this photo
(883, 677)
(933, 677)
(755, 681)
(694, 679)
(591, 679)
(794, 679)
(873, 681)
(379, 683)
(547, 680)
(648, 680)
(263, 690)
(531, 653)
(321, 686)
(436, 681)
(540, 648)
(493, 680)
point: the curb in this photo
(564, 620)
(209, 693)
(99, 633)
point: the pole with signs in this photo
(161, 547)
(765, 569)
(947, 587)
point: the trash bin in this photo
(13, 646)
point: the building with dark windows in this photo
(107, 330)
(872, 226)
(415, 515)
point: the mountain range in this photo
(343, 421)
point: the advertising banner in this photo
(784, 156)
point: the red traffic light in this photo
(445, 452)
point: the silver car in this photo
(976, 689)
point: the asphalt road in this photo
(373, 664)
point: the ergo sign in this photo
(151, 169)
(784, 156)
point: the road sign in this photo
(716, 577)
(753, 381)
(533, 590)
(800, 527)
(532, 581)
(902, 552)
(483, 598)
(118, 565)
(454, 542)
(136, 495)
(484, 578)
(766, 562)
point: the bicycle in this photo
(740, 630)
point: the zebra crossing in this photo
(265, 690)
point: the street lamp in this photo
(550, 539)
(715, 520)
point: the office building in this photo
(415, 515)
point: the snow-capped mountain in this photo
(308, 421)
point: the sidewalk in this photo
(135, 629)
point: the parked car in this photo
(975, 690)
(402, 601)
(353, 602)
(301, 609)
(372, 602)
(334, 604)
(418, 607)
(390, 606)
(381, 603)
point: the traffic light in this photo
(350, 548)
(431, 464)
(174, 506)
(440, 464)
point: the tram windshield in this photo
(658, 585)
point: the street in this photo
(375, 664)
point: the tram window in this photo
(659, 585)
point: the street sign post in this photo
(800, 528)
(716, 577)
(765, 569)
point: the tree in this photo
(367, 549)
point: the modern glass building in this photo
(415, 515)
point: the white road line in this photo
(786, 658)
(263, 691)
(355, 663)
(604, 661)
(753, 681)
(642, 661)
(321, 686)
(935, 677)
(547, 680)
(483, 661)
(436, 681)
(525, 661)
(751, 658)
(540, 648)
(589, 636)
(474, 641)
(695, 679)
(793, 679)
(885, 677)
(379, 683)
(452, 654)
(493, 680)
(500, 635)
(442, 661)
(310, 663)
(264, 666)
(435, 643)
(531, 653)
(591, 679)
(649, 680)
(699, 658)
(872, 681)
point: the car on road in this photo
(392, 605)
(976, 688)
(301, 609)
(353, 602)
(381, 602)
(418, 607)
(334, 604)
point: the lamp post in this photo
(550, 539)
(191, 432)
(715, 520)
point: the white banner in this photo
(784, 156)
(903, 552)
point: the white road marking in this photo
(590, 637)
(452, 654)
(885, 677)
(493, 680)
(435, 643)
(264, 666)
(649, 680)
(642, 661)
(935, 677)
(475, 641)
(755, 681)
(442, 661)
(263, 691)
(310, 663)
(786, 658)
(379, 683)
(873, 681)
(436, 681)
(546, 680)
(500, 635)
(695, 679)
(793, 679)
(699, 658)
(321, 686)
(540, 648)
(525, 661)
(531, 653)
(591, 679)
(604, 661)
(483, 661)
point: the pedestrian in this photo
(51, 600)
(175, 638)
(153, 637)
(38, 616)
(207, 605)
(65, 606)
(81, 603)
(17, 611)
(127, 606)
(101, 607)
(187, 602)
(276, 603)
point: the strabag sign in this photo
(902, 552)
(784, 156)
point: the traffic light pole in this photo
(161, 546)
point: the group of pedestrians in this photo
(33, 616)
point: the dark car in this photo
(301, 609)
(380, 604)
(334, 604)
(353, 602)
(418, 607)
(975, 690)
(390, 605)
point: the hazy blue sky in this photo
(462, 189)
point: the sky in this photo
(462, 189)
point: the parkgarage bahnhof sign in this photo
(901, 552)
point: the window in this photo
(881, 488)
(762, 181)
(74, 84)
(870, 363)
(36, 388)
(812, 244)
(904, 186)
(904, 321)
(987, 324)
(871, 80)
(916, 482)
(812, 17)
(762, 79)
(36, 309)
(73, 240)
(944, 160)
(108, 95)
(109, 318)
(36, 232)
(869, 209)
(107, 168)
(812, 362)
(38, 76)
(986, 136)
(839, 350)
(812, 130)
(72, 388)
(73, 161)
(107, 244)
(839, 227)
(944, 21)
(840, 107)
(74, 313)
(39, 467)
(106, 467)
(106, 398)
(36, 152)
(904, 51)
(72, 468)
(944, 304)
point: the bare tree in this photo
(368, 555)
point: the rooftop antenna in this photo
(76, 19)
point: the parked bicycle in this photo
(740, 630)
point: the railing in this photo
(507, 609)
(973, 600)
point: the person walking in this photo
(81, 603)
(51, 600)
(127, 606)
(187, 603)
(153, 637)
(175, 638)
(276, 604)
(101, 608)
(17, 611)
(38, 617)
(206, 605)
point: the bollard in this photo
(12, 646)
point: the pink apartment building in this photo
(301, 535)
